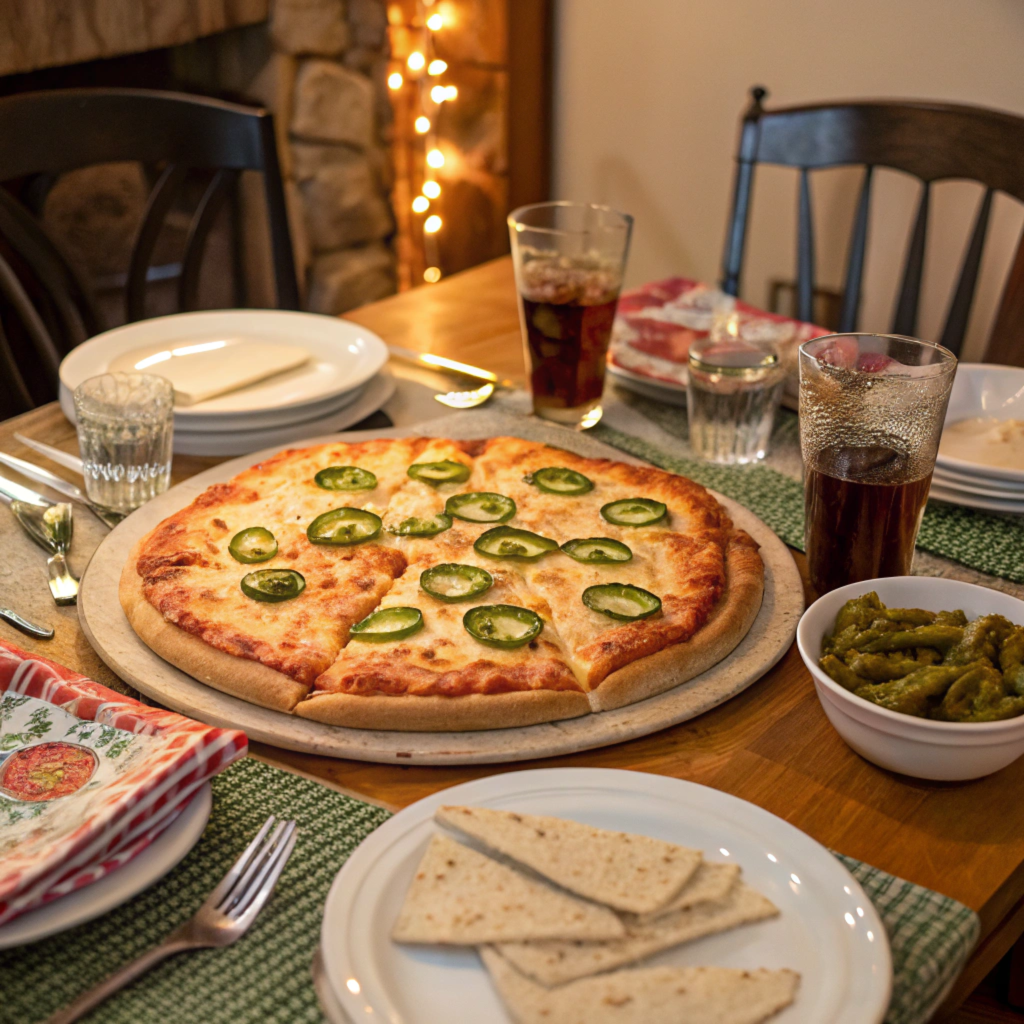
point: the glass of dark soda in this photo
(871, 414)
(569, 260)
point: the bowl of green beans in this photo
(921, 675)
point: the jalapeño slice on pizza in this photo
(344, 526)
(437, 473)
(481, 507)
(559, 480)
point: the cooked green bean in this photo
(909, 616)
(877, 668)
(858, 612)
(956, 618)
(1011, 662)
(978, 696)
(836, 670)
(943, 637)
(913, 694)
(981, 639)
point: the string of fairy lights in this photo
(423, 71)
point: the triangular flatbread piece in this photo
(653, 995)
(460, 897)
(710, 882)
(631, 873)
(557, 963)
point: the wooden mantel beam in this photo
(47, 33)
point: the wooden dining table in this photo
(771, 745)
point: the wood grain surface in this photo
(771, 745)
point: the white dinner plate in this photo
(370, 399)
(119, 886)
(956, 497)
(985, 485)
(343, 356)
(981, 389)
(827, 930)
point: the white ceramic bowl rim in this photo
(949, 729)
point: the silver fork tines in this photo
(224, 917)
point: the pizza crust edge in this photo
(729, 622)
(466, 713)
(248, 680)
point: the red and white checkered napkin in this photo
(656, 324)
(165, 759)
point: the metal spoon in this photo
(466, 399)
(51, 527)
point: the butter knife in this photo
(62, 458)
(50, 526)
(432, 362)
(61, 486)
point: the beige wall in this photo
(648, 94)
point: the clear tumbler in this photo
(125, 431)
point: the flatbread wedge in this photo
(653, 995)
(628, 872)
(557, 963)
(710, 882)
(460, 897)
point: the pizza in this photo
(432, 584)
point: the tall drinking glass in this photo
(125, 431)
(871, 412)
(569, 259)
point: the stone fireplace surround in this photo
(319, 65)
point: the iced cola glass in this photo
(871, 413)
(569, 259)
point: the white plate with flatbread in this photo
(826, 930)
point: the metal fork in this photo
(225, 916)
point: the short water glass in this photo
(125, 431)
(733, 391)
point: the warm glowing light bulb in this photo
(423, 125)
(420, 204)
(437, 67)
(451, 92)
(431, 189)
(434, 22)
(395, 81)
(432, 224)
(432, 275)
(439, 94)
(416, 61)
(435, 158)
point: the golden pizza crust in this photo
(239, 677)
(727, 625)
(470, 712)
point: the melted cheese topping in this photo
(191, 579)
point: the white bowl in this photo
(945, 751)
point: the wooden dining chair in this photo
(44, 305)
(933, 142)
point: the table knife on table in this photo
(61, 486)
(50, 525)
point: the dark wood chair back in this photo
(932, 141)
(47, 133)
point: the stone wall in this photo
(326, 83)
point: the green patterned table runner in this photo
(984, 541)
(265, 977)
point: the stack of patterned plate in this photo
(100, 795)
(291, 375)
(981, 455)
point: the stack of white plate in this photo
(342, 382)
(966, 471)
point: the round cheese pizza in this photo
(429, 584)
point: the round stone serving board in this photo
(107, 629)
